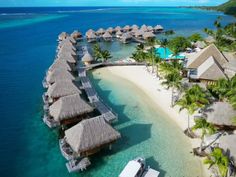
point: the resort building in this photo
(76, 35)
(221, 114)
(87, 58)
(110, 30)
(60, 89)
(91, 37)
(126, 38)
(144, 28)
(200, 44)
(88, 137)
(207, 65)
(150, 28)
(148, 35)
(210, 39)
(100, 32)
(127, 28)
(134, 27)
(230, 66)
(118, 28)
(158, 28)
(69, 109)
(107, 36)
(139, 34)
(57, 75)
(61, 64)
(63, 36)
(118, 34)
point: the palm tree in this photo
(152, 57)
(220, 88)
(163, 44)
(206, 127)
(105, 55)
(193, 99)
(218, 159)
(97, 51)
(169, 32)
(173, 80)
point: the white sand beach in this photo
(139, 76)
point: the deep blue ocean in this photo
(27, 48)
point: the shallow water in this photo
(28, 147)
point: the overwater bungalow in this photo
(76, 35)
(134, 27)
(100, 32)
(144, 28)
(118, 34)
(207, 65)
(91, 37)
(126, 38)
(67, 110)
(62, 36)
(57, 75)
(69, 58)
(72, 40)
(139, 34)
(118, 28)
(87, 138)
(126, 28)
(133, 31)
(67, 46)
(148, 35)
(110, 30)
(67, 51)
(150, 28)
(221, 114)
(87, 58)
(107, 36)
(158, 28)
(60, 89)
(89, 32)
(61, 64)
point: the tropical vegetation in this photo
(99, 54)
(218, 159)
(206, 127)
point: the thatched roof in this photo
(67, 51)
(228, 144)
(67, 57)
(57, 75)
(90, 134)
(63, 36)
(126, 28)
(158, 27)
(200, 44)
(100, 31)
(87, 57)
(66, 46)
(60, 64)
(147, 35)
(139, 33)
(107, 35)
(70, 106)
(134, 27)
(196, 60)
(221, 113)
(119, 33)
(144, 28)
(62, 88)
(110, 30)
(72, 40)
(210, 70)
(150, 28)
(118, 28)
(91, 36)
(126, 36)
(89, 32)
(76, 34)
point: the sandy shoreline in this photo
(139, 76)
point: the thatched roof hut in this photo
(228, 144)
(134, 27)
(89, 32)
(62, 88)
(100, 31)
(57, 75)
(76, 35)
(67, 46)
(87, 58)
(126, 28)
(150, 28)
(126, 37)
(118, 28)
(144, 28)
(91, 37)
(118, 34)
(62, 36)
(158, 28)
(69, 107)
(88, 136)
(148, 35)
(60, 64)
(221, 114)
(107, 36)
(67, 51)
(72, 40)
(196, 60)
(67, 57)
(110, 30)
(139, 34)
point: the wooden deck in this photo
(105, 111)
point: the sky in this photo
(35, 3)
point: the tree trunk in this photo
(189, 124)
(172, 97)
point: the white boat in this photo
(137, 168)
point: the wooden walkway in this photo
(106, 111)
